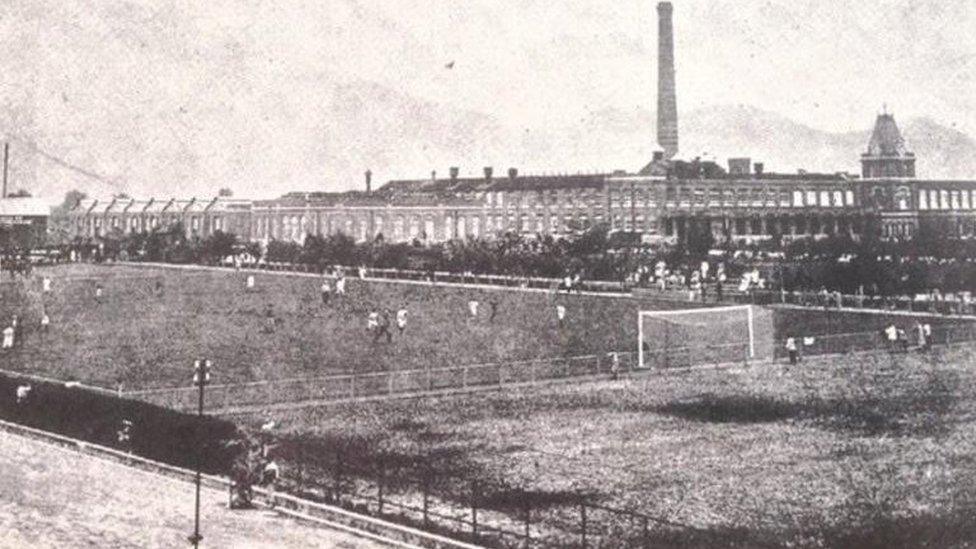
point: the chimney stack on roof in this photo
(512, 173)
(488, 172)
(667, 101)
(369, 181)
(454, 173)
(433, 176)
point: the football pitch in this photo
(149, 325)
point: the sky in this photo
(264, 96)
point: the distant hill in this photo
(359, 125)
(785, 145)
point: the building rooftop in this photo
(504, 182)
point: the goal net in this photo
(689, 337)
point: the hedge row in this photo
(156, 433)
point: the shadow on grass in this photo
(915, 411)
(742, 409)
(957, 529)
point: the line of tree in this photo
(834, 263)
(595, 253)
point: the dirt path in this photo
(52, 497)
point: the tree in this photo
(699, 238)
(217, 246)
(20, 193)
(225, 192)
(59, 226)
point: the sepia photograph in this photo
(460, 274)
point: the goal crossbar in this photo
(750, 331)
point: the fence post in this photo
(582, 524)
(337, 477)
(647, 534)
(426, 488)
(474, 510)
(301, 469)
(381, 477)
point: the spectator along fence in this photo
(946, 305)
(495, 376)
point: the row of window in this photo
(681, 196)
(945, 199)
(784, 226)
(146, 223)
(574, 198)
(758, 198)
(399, 228)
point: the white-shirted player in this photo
(401, 320)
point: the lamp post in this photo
(201, 376)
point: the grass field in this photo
(837, 453)
(866, 452)
(143, 340)
(55, 498)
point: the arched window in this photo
(414, 227)
(398, 228)
(378, 222)
(903, 199)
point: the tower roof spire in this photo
(886, 139)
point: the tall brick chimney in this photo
(667, 101)
(369, 181)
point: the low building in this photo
(95, 219)
(23, 223)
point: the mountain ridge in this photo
(366, 125)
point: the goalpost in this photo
(687, 337)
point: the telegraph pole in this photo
(201, 376)
(6, 153)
